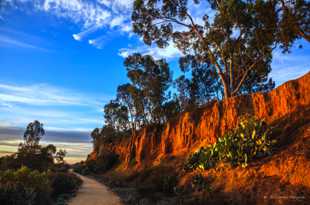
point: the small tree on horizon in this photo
(60, 156)
(34, 133)
(32, 154)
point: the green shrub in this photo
(61, 168)
(63, 199)
(250, 140)
(15, 194)
(78, 167)
(103, 164)
(64, 183)
(168, 184)
(199, 183)
(24, 187)
(8, 162)
(81, 168)
(36, 157)
(27, 187)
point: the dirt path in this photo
(94, 193)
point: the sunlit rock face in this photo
(192, 130)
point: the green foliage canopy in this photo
(236, 43)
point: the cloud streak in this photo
(88, 14)
(290, 66)
(18, 39)
(91, 15)
(43, 95)
(9, 41)
(109, 16)
(56, 107)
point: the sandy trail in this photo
(94, 193)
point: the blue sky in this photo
(61, 60)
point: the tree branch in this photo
(245, 75)
(231, 72)
(200, 36)
(175, 21)
(304, 35)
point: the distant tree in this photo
(132, 98)
(185, 92)
(108, 132)
(96, 136)
(198, 84)
(171, 109)
(153, 78)
(60, 156)
(116, 115)
(236, 43)
(49, 150)
(205, 85)
(33, 133)
(32, 154)
(32, 136)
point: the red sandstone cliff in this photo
(192, 130)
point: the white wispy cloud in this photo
(108, 16)
(286, 66)
(87, 13)
(12, 42)
(117, 21)
(169, 52)
(90, 15)
(55, 106)
(19, 39)
(281, 75)
(42, 94)
(67, 121)
(84, 33)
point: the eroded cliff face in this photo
(193, 130)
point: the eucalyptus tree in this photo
(197, 85)
(96, 135)
(116, 115)
(236, 42)
(171, 108)
(132, 98)
(185, 92)
(153, 78)
(293, 21)
(33, 133)
(32, 154)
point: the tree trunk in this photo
(226, 90)
(133, 129)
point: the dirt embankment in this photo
(192, 130)
(153, 159)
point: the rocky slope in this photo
(153, 160)
(192, 130)
(283, 178)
